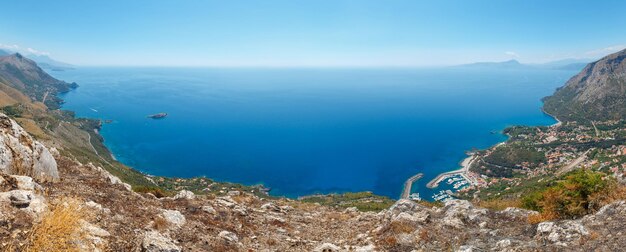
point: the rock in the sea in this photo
(20, 154)
(155, 242)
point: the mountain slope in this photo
(598, 92)
(24, 75)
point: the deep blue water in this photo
(304, 131)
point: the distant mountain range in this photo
(44, 61)
(22, 74)
(566, 64)
(598, 92)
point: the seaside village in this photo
(532, 153)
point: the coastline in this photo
(467, 162)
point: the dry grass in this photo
(398, 227)
(160, 223)
(541, 217)
(60, 228)
(499, 204)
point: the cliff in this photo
(598, 92)
(24, 75)
(20, 154)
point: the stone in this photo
(25, 183)
(367, 248)
(184, 194)
(155, 242)
(174, 217)
(409, 219)
(270, 206)
(565, 231)
(234, 193)
(514, 212)
(225, 201)
(20, 199)
(327, 247)
(467, 248)
(228, 236)
(20, 154)
(274, 219)
(209, 209)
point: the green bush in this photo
(571, 197)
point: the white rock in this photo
(565, 231)
(467, 248)
(270, 206)
(368, 248)
(327, 247)
(209, 209)
(25, 183)
(184, 194)
(271, 218)
(503, 244)
(234, 193)
(20, 198)
(240, 210)
(155, 242)
(20, 154)
(225, 201)
(174, 217)
(228, 236)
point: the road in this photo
(573, 165)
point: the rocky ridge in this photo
(598, 92)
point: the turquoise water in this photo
(304, 131)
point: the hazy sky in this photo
(312, 33)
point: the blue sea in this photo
(306, 131)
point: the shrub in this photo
(59, 229)
(157, 192)
(580, 193)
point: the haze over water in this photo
(305, 131)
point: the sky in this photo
(326, 33)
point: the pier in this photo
(406, 191)
(466, 164)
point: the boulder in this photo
(20, 154)
(228, 237)
(155, 242)
(184, 194)
(327, 247)
(209, 209)
(459, 212)
(174, 217)
(19, 198)
(561, 233)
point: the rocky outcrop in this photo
(20, 154)
(598, 92)
(154, 241)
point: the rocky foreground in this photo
(38, 185)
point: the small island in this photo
(158, 116)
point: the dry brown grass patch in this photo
(541, 217)
(398, 227)
(160, 223)
(500, 204)
(60, 228)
